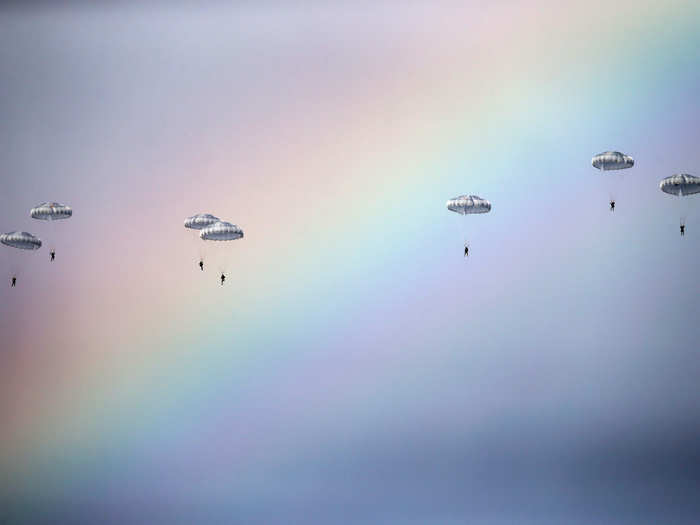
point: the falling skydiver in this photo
(51, 212)
(199, 222)
(20, 241)
(683, 186)
(611, 161)
(468, 205)
(221, 231)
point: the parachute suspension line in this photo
(611, 197)
(683, 206)
(201, 249)
(52, 235)
(464, 230)
(606, 182)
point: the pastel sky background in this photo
(355, 368)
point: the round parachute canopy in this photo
(51, 211)
(681, 184)
(465, 204)
(612, 160)
(221, 231)
(21, 240)
(201, 220)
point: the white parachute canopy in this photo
(51, 211)
(612, 160)
(680, 185)
(466, 204)
(21, 240)
(200, 221)
(221, 231)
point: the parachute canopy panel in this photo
(51, 211)
(465, 204)
(612, 160)
(221, 231)
(681, 184)
(200, 221)
(21, 240)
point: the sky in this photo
(355, 367)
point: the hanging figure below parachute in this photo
(683, 186)
(609, 161)
(20, 241)
(468, 205)
(51, 211)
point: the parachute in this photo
(221, 231)
(612, 161)
(21, 240)
(217, 232)
(681, 185)
(200, 221)
(51, 211)
(467, 204)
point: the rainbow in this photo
(134, 353)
